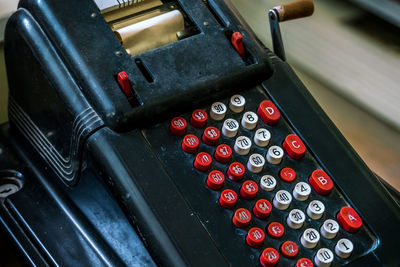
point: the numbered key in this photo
(310, 238)
(249, 190)
(203, 161)
(190, 144)
(329, 229)
(249, 120)
(255, 163)
(236, 171)
(275, 230)
(262, 137)
(262, 209)
(199, 118)
(275, 155)
(296, 219)
(218, 111)
(301, 191)
(215, 180)
(315, 209)
(223, 153)
(178, 126)
(230, 128)
(343, 248)
(282, 199)
(324, 257)
(287, 174)
(304, 262)
(228, 199)
(269, 257)
(241, 218)
(237, 103)
(349, 219)
(242, 145)
(268, 112)
(211, 136)
(321, 182)
(289, 249)
(268, 183)
(255, 237)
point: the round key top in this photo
(321, 182)
(349, 219)
(287, 175)
(249, 190)
(199, 118)
(242, 145)
(296, 219)
(178, 126)
(324, 257)
(268, 183)
(211, 136)
(301, 191)
(203, 161)
(275, 155)
(294, 147)
(218, 111)
(255, 163)
(223, 153)
(315, 209)
(228, 199)
(282, 199)
(269, 257)
(329, 229)
(268, 112)
(262, 137)
(262, 209)
(275, 230)
(304, 262)
(310, 238)
(289, 249)
(215, 180)
(190, 144)
(241, 218)
(235, 171)
(255, 237)
(237, 102)
(249, 120)
(343, 248)
(230, 128)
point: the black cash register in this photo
(162, 132)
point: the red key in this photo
(268, 112)
(178, 126)
(269, 257)
(241, 218)
(123, 81)
(321, 182)
(228, 199)
(294, 147)
(211, 136)
(215, 180)
(255, 237)
(236, 171)
(289, 249)
(203, 161)
(223, 153)
(276, 230)
(349, 219)
(249, 190)
(304, 262)
(262, 209)
(199, 118)
(287, 175)
(190, 143)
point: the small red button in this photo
(249, 190)
(294, 147)
(203, 161)
(276, 230)
(215, 180)
(237, 42)
(349, 219)
(178, 126)
(241, 218)
(262, 209)
(321, 182)
(268, 112)
(255, 237)
(199, 118)
(289, 249)
(223, 153)
(287, 175)
(304, 262)
(190, 143)
(124, 83)
(228, 199)
(211, 136)
(236, 171)
(269, 257)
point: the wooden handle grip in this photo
(294, 10)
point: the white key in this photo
(296, 219)
(256, 163)
(275, 155)
(237, 102)
(230, 128)
(301, 191)
(218, 111)
(329, 229)
(315, 209)
(242, 145)
(310, 238)
(282, 199)
(249, 120)
(343, 248)
(324, 257)
(268, 183)
(262, 137)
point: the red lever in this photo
(237, 42)
(123, 81)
